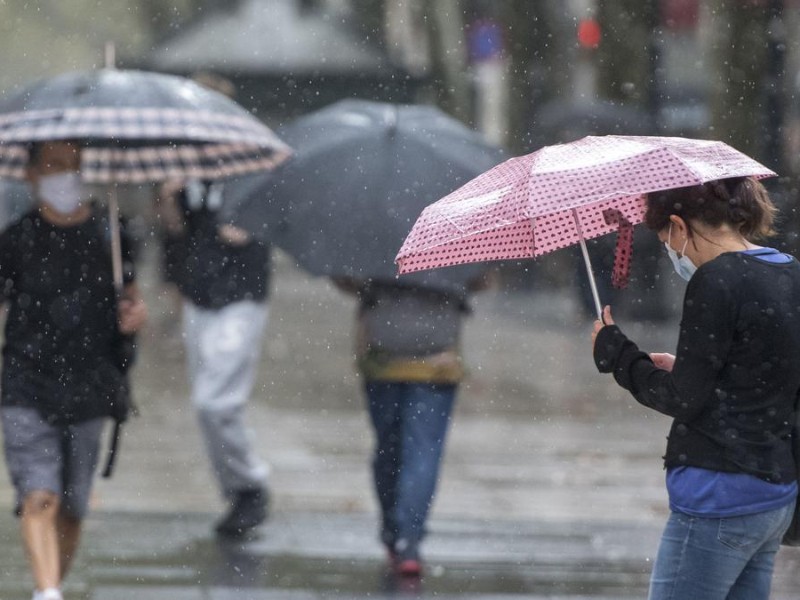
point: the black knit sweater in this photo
(736, 376)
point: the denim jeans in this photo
(410, 422)
(718, 559)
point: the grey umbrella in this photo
(361, 174)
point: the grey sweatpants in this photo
(222, 349)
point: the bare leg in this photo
(40, 535)
(69, 534)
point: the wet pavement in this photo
(551, 488)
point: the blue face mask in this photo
(683, 266)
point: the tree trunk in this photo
(450, 79)
(538, 64)
(737, 51)
(371, 19)
(623, 55)
(161, 19)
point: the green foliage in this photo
(39, 39)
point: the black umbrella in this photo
(361, 174)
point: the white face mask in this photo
(683, 266)
(63, 192)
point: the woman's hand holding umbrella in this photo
(598, 324)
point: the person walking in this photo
(61, 376)
(731, 389)
(222, 275)
(408, 353)
(223, 279)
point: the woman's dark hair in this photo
(741, 202)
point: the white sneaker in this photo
(48, 594)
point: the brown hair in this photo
(740, 202)
(35, 149)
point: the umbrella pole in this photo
(585, 251)
(116, 242)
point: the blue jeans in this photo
(410, 422)
(718, 559)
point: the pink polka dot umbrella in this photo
(563, 195)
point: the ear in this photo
(679, 226)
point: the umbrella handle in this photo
(585, 251)
(116, 241)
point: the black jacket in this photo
(210, 272)
(736, 377)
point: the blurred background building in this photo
(525, 73)
(722, 67)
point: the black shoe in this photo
(249, 510)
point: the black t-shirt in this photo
(61, 327)
(208, 271)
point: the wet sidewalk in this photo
(312, 555)
(552, 484)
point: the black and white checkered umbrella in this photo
(136, 127)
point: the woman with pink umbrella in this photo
(731, 389)
(733, 386)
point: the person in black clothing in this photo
(61, 375)
(222, 275)
(731, 389)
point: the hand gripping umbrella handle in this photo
(585, 251)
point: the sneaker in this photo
(249, 510)
(48, 594)
(408, 567)
(407, 562)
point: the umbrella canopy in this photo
(136, 127)
(562, 195)
(361, 173)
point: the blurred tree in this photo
(449, 76)
(626, 32)
(737, 33)
(536, 47)
(437, 29)
(161, 18)
(371, 18)
(38, 39)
